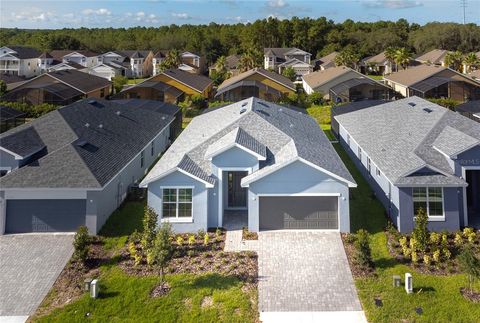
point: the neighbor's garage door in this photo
(298, 212)
(44, 215)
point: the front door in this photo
(237, 195)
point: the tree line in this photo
(318, 36)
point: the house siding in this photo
(7, 161)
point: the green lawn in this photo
(438, 296)
(125, 298)
(376, 77)
(135, 81)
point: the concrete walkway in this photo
(29, 265)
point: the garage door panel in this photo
(299, 212)
(44, 215)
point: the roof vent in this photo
(87, 125)
(244, 104)
(427, 110)
(280, 109)
(81, 143)
(412, 104)
(100, 126)
(264, 104)
(163, 118)
(291, 125)
(243, 111)
(118, 113)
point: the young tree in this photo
(362, 244)
(470, 265)
(162, 250)
(249, 60)
(390, 54)
(172, 60)
(289, 73)
(150, 218)
(348, 57)
(3, 87)
(81, 243)
(119, 82)
(420, 231)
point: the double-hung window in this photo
(177, 203)
(430, 199)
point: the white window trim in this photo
(431, 218)
(176, 219)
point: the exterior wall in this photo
(403, 90)
(298, 178)
(99, 93)
(188, 91)
(29, 67)
(149, 94)
(7, 161)
(105, 72)
(199, 201)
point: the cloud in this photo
(392, 4)
(277, 4)
(182, 15)
(98, 12)
(33, 15)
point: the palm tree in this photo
(471, 61)
(454, 60)
(221, 64)
(402, 57)
(248, 61)
(173, 58)
(390, 53)
(347, 58)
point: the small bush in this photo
(467, 231)
(206, 239)
(413, 244)
(470, 265)
(420, 231)
(191, 240)
(458, 240)
(81, 243)
(414, 257)
(403, 241)
(406, 251)
(427, 260)
(200, 233)
(444, 240)
(364, 253)
(180, 241)
(218, 234)
(350, 238)
(447, 254)
(191, 253)
(471, 237)
(150, 218)
(434, 238)
(436, 256)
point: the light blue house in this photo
(252, 161)
(417, 154)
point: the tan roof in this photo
(435, 56)
(329, 58)
(415, 74)
(318, 78)
(475, 74)
(379, 58)
(271, 75)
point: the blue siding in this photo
(235, 157)
(8, 161)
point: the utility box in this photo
(94, 289)
(86, 284)
(397, 281)
(408, 283)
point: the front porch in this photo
(235, 219)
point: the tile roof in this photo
(414, 74)
(88, 142)
(399, 137)
(286, 133)
(270, 75)
(319, 78)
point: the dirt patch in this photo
(160, 290)
(248, 235)
(188, 303)
(472, 296)
(207, 301)
(357, 270)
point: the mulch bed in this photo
(247, 235)
(357, 270)
(472, 296)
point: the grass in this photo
(321, 113)
(376, 77)
(135, 81)
(127, 299)
(438, 296)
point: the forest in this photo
(318, 36)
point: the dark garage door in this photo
(298, 212)
(44, 215)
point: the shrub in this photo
(470, 265)
(350, 238)
(191, 240)
(81, 243)
(444, 240)
(471, 237)
(427, 260)
(434, 238)
(436, 256)
(198, 101)
(32, 111)
(458, 241)
(414, 257)
(413, 244)
(200, 234)
(180, 241)
(206, 239)
(447, 254)
(150, 219)
(218, 234)
(191, 253)
(467, 232)
(403, 241)
(315, 98)
(119, 82)
(420, 231)
(362, 244)
(406, 251)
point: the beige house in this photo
(325, 62)
(378, 65)
(432, 81)
(435, 57)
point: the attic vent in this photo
(427, 110)
(243, 111)
(244, 104)
(92, 101)
(81, 143)
(87, 125)
(412, 104)
(264, 104)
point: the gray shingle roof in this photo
(399, 138)
(23, 52)
(24, 143)
(88, 156)
(452, 141)
(469, 106)
(288, 135)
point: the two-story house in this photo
(277, 59)
(138, 62)
(83, 58)
(192, 63)
(19, 61)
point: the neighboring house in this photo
(12, 81)
(343, 84)
(108, 70)
(265, 162)
(432, 81)
(470, 109)
(377, 64)
(475, 75)
(433, 57)
(139, 63)
(60, 88)
(325, 62)
(192, 63)
(301, 68)
(258, 83)
(157, 60)
(232, 63)
(19, 61)
(75, 165)
(169, 86)
(10, 118)
(274, 57)
(337, 110)
(84, 58)
(416, 154)
(62, 66)
(45, 61)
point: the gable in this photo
(470, 157)
(269, 82)
(6, 50)
(325, 87)
(172, 82)
(235, 156)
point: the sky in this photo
(129, 13)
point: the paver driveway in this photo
(304, 271)
(29, 265)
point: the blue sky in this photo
(128, 13)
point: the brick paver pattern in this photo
(29, 265)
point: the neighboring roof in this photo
(73, 65)
(328, 60)
(160, 54)
(87, 142)
(80, 81)
(354, 106)
(282, 52)
(23, 52)
(232, 61)
(414, 74)
(7, 113)
(277, 78)
(400, 136)
(9, 78)
(469, 106)
(348, 84)
(60, 53)
(157, 85)
(319, 78)
(293, 62)
(377, 59)
(133, 53)
(194, 81)
(45, 55)
(435, 56)
(287, 134)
